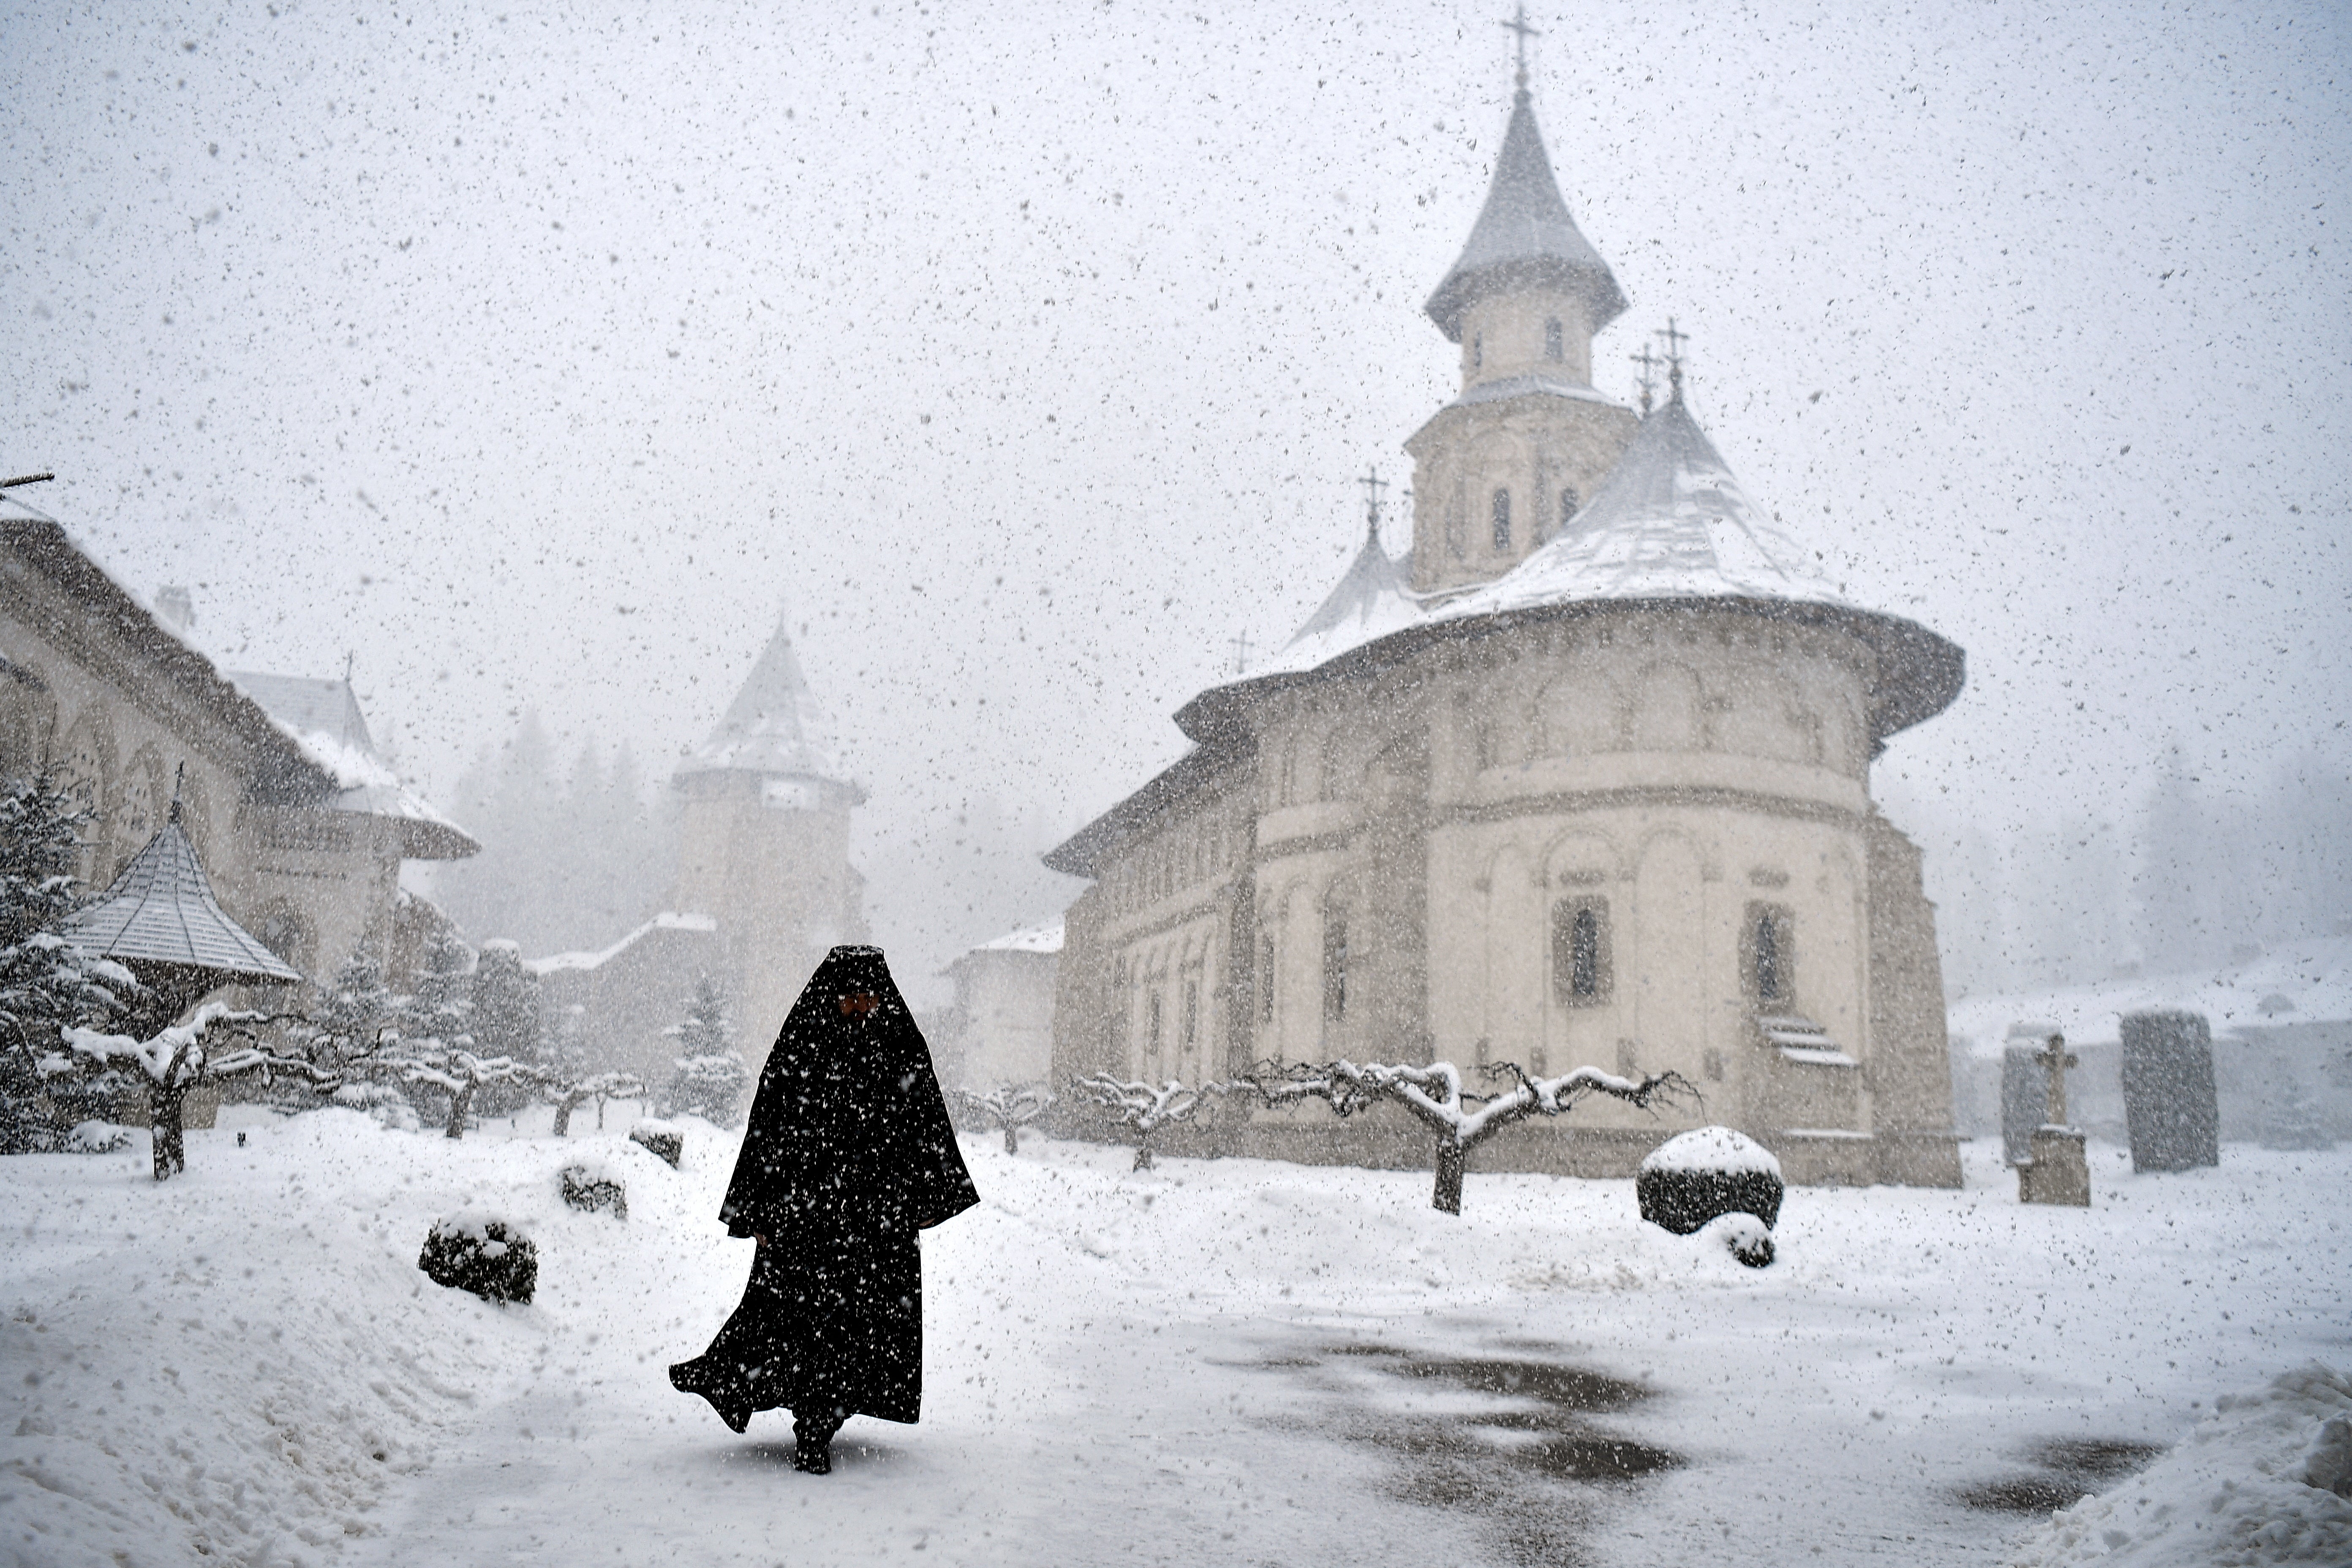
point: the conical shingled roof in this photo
(162, 910)
(1669, 523)
(1524, 237)
(773, 726)
(1370, 602)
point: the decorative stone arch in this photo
(1708, 853)
(143, 799)
(1758, 715)
(1578, 847)
(1668, 708)
(1579, 713)
(28, 721)
(85, 762)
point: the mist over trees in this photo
(2203, 870)
(573, 857)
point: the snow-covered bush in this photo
(508, 1024)
(711, 1073)
(594, 1187)
(665, 1142)
(1145, 1109)
(1743, 1235)
(1694, 1178)
(1008, 1107)
(1433, 1095)
(482, 1254)
(97, 1138)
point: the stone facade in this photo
(1625, 826)
(93, 685)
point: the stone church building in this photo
(1584, 779)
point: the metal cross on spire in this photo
(1675, 337)
(1373, 485)
(1518, 24)
(1649, 363)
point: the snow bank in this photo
(1713, 1149)
(237, 1365)
(2247, 1488)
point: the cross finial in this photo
(2056, 1059)
(1518, 24)
(1649, 363)
(1373, 485)
(1241, 654)
(1675, 337)
(179, 778)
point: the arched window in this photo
(1191, 1013)
(1501, 511)
(1554, 341)
(1477, 350)
(1579, 952)
(1151, 1023)
(1771, 953)
(1265, 980)
(1569, 501)
(1334, 967)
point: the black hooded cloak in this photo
(848, 1154)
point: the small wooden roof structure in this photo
(160, 920)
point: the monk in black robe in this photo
(847, 1155)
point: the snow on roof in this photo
(161, 909)
(773, 726)
(323, 720)
(1669, 523)
(1370, 602)
(2305, 981)
(1524, 237)
(1526, 386)
(597, 960)
(1030, 939)
(1712, 1149)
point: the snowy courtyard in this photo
(1227, 1361)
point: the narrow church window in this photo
(1334, 967)
(1771, 953)
(1501, 516)
(1265, 980)
(1569, 502)
(1579, 952)
(1191, 1013)
(1477, 350)
(1554, 341)
(1151, 1023)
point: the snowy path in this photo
(1220, 1363)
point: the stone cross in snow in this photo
(2055, 1060)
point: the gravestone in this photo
(2170, 1103)
(2024, 1090)
(2056, 1170)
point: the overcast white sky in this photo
(1028, 353)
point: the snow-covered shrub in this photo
(479, 1253)
(666, 1142)
(1742, 1235)
(711, 1073)
(388, 1105)
(1697, 1176)
(97, 1138)
(592, 1188)
(508, 1024)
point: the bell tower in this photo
(1505, 467)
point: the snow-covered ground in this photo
(1216, 1363)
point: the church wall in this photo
(309, 881)
(1532, 447)
(1505, 335)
